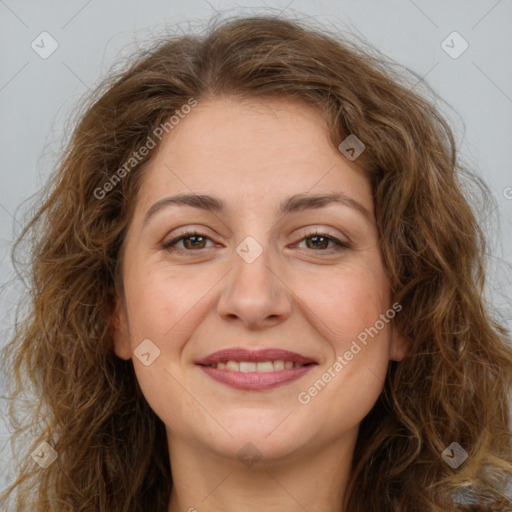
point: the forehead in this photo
(251, 150)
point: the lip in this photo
(255, 381)
(243, 354)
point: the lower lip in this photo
(256, 381)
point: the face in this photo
(259, 270)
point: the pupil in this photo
(317, 238)
(191, 238)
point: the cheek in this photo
(163, 303)
(347, 301)
(163, 308)
(349, 304)
(351, 380)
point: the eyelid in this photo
(340, 245)
(324, 231)
(306, 233)
(188, 232)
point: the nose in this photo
(254, 294)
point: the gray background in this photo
(37, 96)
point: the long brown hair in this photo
(452, 387)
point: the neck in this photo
(312, 479)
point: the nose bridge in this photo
(253, 291)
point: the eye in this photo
(319, 241)
(193, 240)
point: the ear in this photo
(119, 328)
(399, 346)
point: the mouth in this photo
(259, 367)
(255, 370)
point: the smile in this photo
(260, 367)
(255, 370)
(252, 376)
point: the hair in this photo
(451, 387)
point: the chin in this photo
(269, 440)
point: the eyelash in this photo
(168, 245)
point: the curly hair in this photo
(452, 386)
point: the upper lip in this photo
(243, 354)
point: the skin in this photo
(294, 296)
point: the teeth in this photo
(233, 365)
(279, 365)
(260, 367)
(247, 366)
(264, 366)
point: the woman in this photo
(257, 285)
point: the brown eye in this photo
(196, 242)
(317, 242)
(191, 241)
(320, 241)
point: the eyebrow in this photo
(292, 204)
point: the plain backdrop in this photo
(38, 95)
